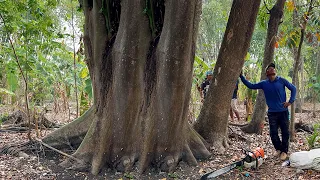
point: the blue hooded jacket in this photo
(274, 92)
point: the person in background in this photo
(234, 103)
(205, 85)
(278, 114)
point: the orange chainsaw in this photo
(253, 159)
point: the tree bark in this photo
(213, 119)
(141, 86)
(166, 137)
(302, 89)
(257, 123)
(72, 134)
(298, 101)
(314, 94)
(294, 82)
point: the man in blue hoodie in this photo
(278, 115)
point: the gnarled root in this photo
(93, 163)
(126, 163)
(253, 127)
(198, 146)
(72, 164)
(189, 154)
(166, 160)
(220, 143)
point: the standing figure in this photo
(234, 103)
(278, 114)
(205, 85)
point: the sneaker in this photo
(277, 153)
(283, 156)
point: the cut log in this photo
(19, 119)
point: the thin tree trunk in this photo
(295, 70)
(314, 94)
(213, 119)
(314, 102)
(74, 63)
(302, 82)
(257, 123)
(300, 86)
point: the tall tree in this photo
(213, 119)
(297, 64)
(74, 61)
(141, 70)
(257, 122)
(213, 23)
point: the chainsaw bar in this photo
(223, 170)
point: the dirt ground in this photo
(44, 165)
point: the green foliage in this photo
(263, 16)
(290, 28)
(148, 10)
(213, 22)
(128, 175)
(240, 168)
(173, 175)
(105, 10)
(293, 39)
(3, 117)
(314, 84)
(84, 103)
(45, 57)
(43, 41)
(199, 70)
(6, 92)
(12, 80)
(314, 139)
(88, 88)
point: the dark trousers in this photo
(276, 120)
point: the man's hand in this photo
(286, 104)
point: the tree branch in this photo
(58, 151)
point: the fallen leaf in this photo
(201, 170)
(290, 6)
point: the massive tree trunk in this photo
(141, 70)
(213, 119)
(257, 123)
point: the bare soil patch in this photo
(44, 164)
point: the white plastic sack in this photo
(306, 159)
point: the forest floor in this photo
(44, 165)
